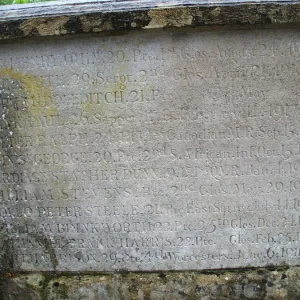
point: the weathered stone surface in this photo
(258, 284)
(78, 112)
(166, 151)
(63, 18)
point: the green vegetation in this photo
(3, 2)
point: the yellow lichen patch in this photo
(45, 26)
(38, 99)
(98, 101)
(92, 108)
(216, 12)
(34, 281)
(209, 279)
(51, 111)
(32, 100)
(94, 24)
(169, 17)
(89, 107)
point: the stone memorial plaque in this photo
(175, 150)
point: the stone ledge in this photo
(280, 283)
(63, 18)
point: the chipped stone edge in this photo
(101, 20)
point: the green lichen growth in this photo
(34, 281)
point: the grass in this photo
(4, 2)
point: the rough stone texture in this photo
(282, 283)
(54, 20)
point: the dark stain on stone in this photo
(126, 20)
(43, 240)
(78, 255)
(34, 32)
(197, 21)
(121, 21)
(11, 29)
(124, 272)
(74, 25)
(6, 255)
(199, 288)
(141, 20)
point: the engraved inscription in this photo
(151, 151)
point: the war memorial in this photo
(150, 150)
